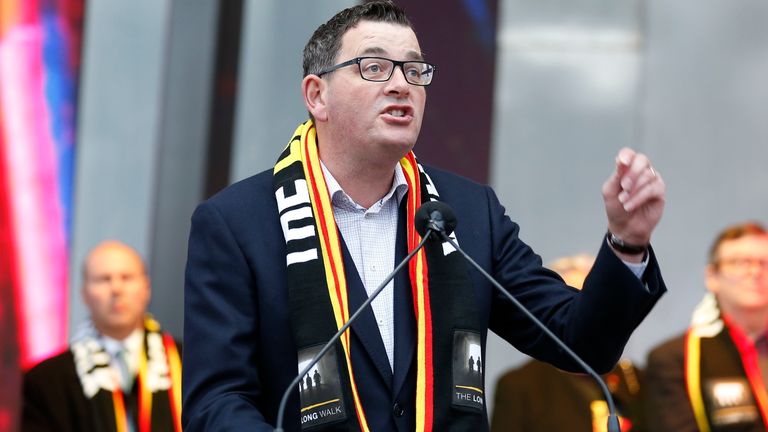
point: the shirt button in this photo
(397, 410)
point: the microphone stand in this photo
(613, 419)
(316, 358)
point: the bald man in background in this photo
(118, 361)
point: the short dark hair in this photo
(734, 232)
(324, 45)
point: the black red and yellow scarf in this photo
(722, 375)
(447, 324)
(158, 380)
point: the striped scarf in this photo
(159, 379)
(723, 381)
(447, 326)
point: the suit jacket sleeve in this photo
(220, 390)
(596, 322)
(668, 406)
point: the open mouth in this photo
(399, 111)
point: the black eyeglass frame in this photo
(395, 64)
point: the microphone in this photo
(436, 216)
(426, 223)
(441, 215)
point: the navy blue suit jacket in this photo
(239, 354)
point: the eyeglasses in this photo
(380, 69)
(742, 265)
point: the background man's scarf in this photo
(318, 288)
(710, 352)
(159, 377)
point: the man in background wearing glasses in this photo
(279, 262)
(713, 378)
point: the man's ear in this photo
(313, 88)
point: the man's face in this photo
(116, 289)
(376, 120)
(575, 276)
(740, 277)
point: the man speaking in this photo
(280, 261)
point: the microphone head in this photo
(435, 215)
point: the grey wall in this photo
(181, 147)
(568, 87)
(681, 81)
(119, 116)
(142, 137)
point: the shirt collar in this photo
(132, 343)
(340, 199)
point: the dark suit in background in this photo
(538, 397)
(669, 405)
(54, 401)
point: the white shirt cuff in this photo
(638, 268)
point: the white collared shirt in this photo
(132, 346)
(370, 235)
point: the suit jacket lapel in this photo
(365, 327)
